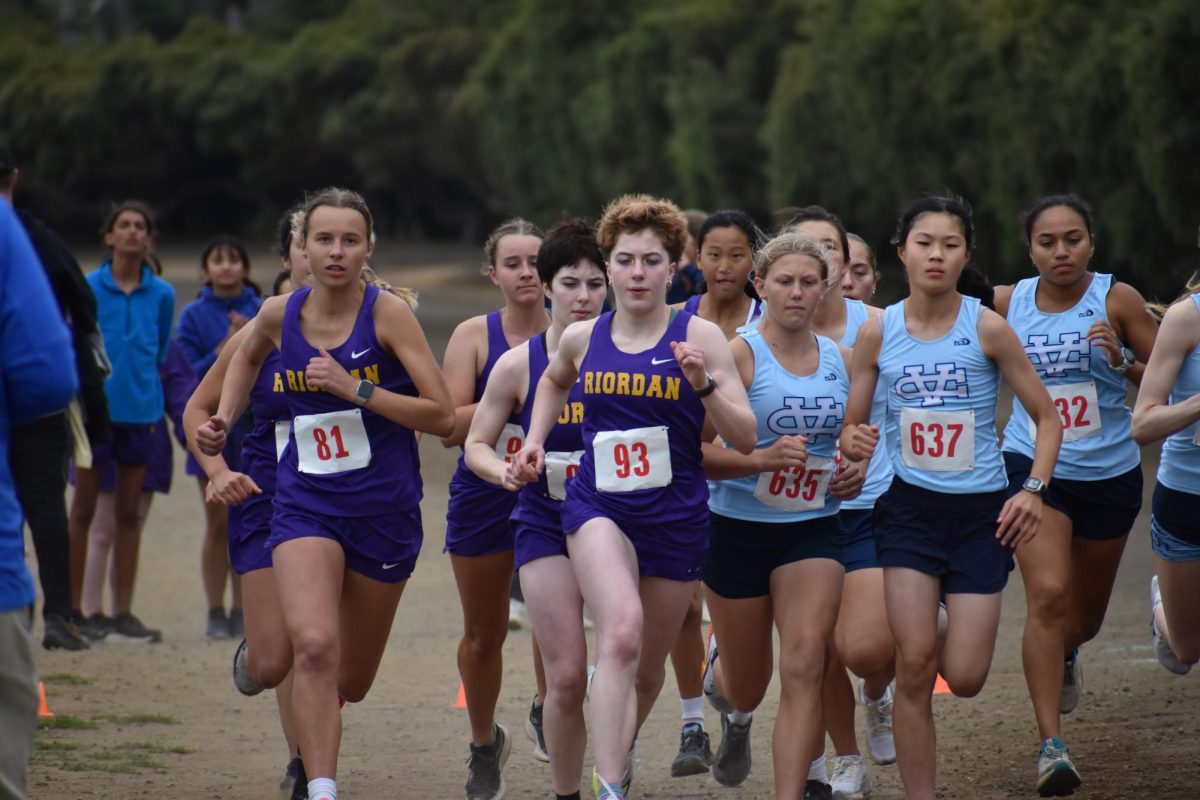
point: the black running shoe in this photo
(96, 627)
(237, 624)
(732, 764)
(484, 781)
(533, 729)
(128, 628)
(289, 776)
(300, 785)
(218, 624)
(695, 753)
(63, 634)
(815, 790)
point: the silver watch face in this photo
(1034, 485)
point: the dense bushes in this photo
(450, 114)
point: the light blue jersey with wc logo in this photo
(1088, 394)
(879, 471)
(1179, 468)
(941, 396)
(785, 404)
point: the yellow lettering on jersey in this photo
(291, 378)
(372, 372)
(278, 387)
(672, 388)
(622, 383)
(576, 413)
(354, 373)
(638, 387)
(589, 383)
(655, 387)
(608, 382)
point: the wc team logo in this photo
(1071, 351)
(797, 418)
(948, 380)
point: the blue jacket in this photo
(137, 330)
(37, 377)
(204, 322)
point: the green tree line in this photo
(449, 116)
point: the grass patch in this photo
(61, 722)
(159, 749)
(53, 746)
(68, 679)
(138, 719)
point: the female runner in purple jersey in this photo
(249, 494)
(635, 516)
(571, 268)
(478, 534)
(360, 379)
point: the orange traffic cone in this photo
(461, 700)
(43, 707)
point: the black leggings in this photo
(37, 455)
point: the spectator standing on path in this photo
(38, 449)
(135, 309)
(35, 378)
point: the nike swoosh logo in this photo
(389, 566)
(657, 361)
(360, 354)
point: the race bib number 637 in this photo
(937, 441)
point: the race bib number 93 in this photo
(627, 461)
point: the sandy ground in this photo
(168, 722)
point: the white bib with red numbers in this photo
(1078, 410)
(627, 461)
(937, 441)
(559, 467)
(796, 488)
(512, 439)
(332, 442)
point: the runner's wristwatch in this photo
(363, 393)
(1128, 359)
(1035, 485)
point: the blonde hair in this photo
(789, 244)
(1157, 310)
(371, 278)
(511, 227)
(633, 213)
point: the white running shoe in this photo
(516, 614)
(1057, 776)
(1162, 650)
(715, 698)
(850, 778)
(880, 744)
(1072, 688)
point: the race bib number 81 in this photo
(627, 461)
(330, 443)
(796, 488)
(937, 441)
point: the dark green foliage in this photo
(451, 115)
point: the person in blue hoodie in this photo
(227, 301)
(37, 378)
(135, 309)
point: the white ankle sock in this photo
(740, 717)
(817, 770)
(693, 709)
(322, 789)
